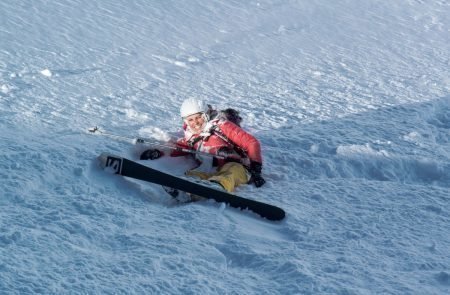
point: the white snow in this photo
(350, 100)
(46, 73)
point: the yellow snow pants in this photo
(229, 175)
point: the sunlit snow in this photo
(351, 103)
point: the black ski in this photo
(129, 168)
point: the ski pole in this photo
(96, 130)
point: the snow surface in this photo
(350, 100)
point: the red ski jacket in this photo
(211, 141)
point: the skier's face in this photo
(195, 122)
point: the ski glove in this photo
(255, 171)
(151, 154)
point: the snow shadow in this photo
(407, 143)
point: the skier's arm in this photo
(243, 139)
(250, 145)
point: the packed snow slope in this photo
(350, 100)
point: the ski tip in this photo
(281, 215)
(275, 214)
(110, 163)
(103, 158)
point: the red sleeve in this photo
(181, 143)
(244, 140)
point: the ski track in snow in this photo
(351, 102)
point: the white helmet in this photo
(192, 106)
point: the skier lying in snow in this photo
(239, 158)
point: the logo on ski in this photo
(114, 164)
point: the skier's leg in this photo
(230, 176)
